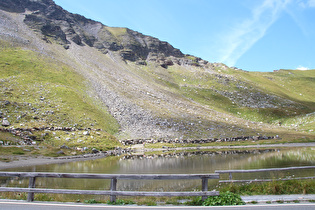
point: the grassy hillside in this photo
(198, 102)
(39, 92)
(281, 98)
(297, 86)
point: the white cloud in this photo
(302, 68)
(309, 3)
(245, 34)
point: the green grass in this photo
(204, 88)
(28, 77)
(270, 188)
(224, 199)
(117, 31)
(12, 150)
(44, 93)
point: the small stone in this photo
(44, 134)
(86, 133)
(64, 147)
(94, 151)
(60, 152)
(5, 122)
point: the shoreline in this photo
(26, 161)
(311, 144)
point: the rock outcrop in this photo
(57, 25)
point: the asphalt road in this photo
(13, 205)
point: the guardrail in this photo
(113, 177)
(230, 172)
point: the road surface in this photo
(14, 205)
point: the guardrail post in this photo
(31, 184)
(230, 176)
(113, 185)
(204, 187)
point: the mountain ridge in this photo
(56, 23)
(152, 89)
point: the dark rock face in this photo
(19, 6)
(128, 55)
(54, 31)
(58, 25)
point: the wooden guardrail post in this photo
(113, 185)
(204, 187)
(31, 184)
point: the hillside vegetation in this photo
(37, 92)
(61, 70)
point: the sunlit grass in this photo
(270, 188)
(44, 93)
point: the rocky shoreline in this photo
(199, 152)
(28, 138)
(195, 141)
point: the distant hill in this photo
(60, 69)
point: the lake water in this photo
(181, 163)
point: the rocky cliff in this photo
(56, 24)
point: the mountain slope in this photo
(151, 89)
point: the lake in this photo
(196, 162)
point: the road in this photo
(13, 205)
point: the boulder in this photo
(64, 147)
(5, 122)
(94, 151)
(60, 152)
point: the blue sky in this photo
(254, 35)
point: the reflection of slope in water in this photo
(284, 158)
(208, 163)
(188, 162)
(180, 163)
(280, 159)
(183, 164)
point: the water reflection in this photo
(175, 163)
